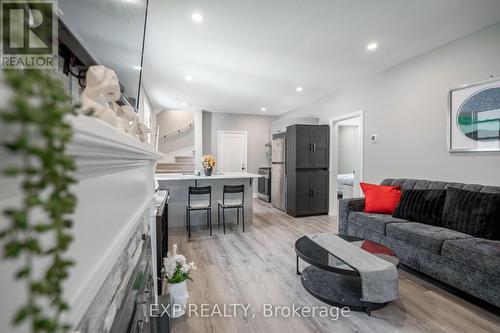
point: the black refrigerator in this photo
(307, 169)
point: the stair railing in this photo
(179, 131)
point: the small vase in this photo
(178, 297)
(207, 171)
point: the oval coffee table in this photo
(332, 280)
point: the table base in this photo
(337, 289)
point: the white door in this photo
(232, 149)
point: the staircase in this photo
(179, 161)
(182, 164)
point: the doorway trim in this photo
(334, 158)
(220, 151)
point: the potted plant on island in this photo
(208, 163)
(176, 270)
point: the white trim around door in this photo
(223, 155)
(334, 141)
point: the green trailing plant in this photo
(37, 110)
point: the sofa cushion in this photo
(380, 199)
(373, 222)
(474, 213)
(425, 206)
(422, 236)
(479, 253)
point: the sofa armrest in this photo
(345, 207)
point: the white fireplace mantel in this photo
(100, 149)
(114, 194)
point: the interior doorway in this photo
(346, 158)
(232, 151)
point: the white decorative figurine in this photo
(102, 88)
(98, 100)
(142, 132)
(128, 120)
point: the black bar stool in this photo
(199, 205)
(232, 204)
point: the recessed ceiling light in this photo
(263, 109)
(189, 78)
(184, 103)
(197, 17)
(299, 89)
(372, 46)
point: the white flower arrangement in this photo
(176, 269)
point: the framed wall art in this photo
(474, 117)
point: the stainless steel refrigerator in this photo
(278, 177)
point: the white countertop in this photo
(226, 175)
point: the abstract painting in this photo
(474, 120)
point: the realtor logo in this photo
(29, 34)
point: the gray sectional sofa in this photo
(457, 259)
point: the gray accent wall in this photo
(407, 107)
(258, 134)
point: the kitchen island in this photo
(178, 184)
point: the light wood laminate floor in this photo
(258, 267)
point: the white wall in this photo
(407, 107)
(147, 115)
(198, 138)
(348, 149)
(170, 121)
(280, 125)
(258, 130)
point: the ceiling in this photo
(246, 55)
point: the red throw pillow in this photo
(380, 198)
